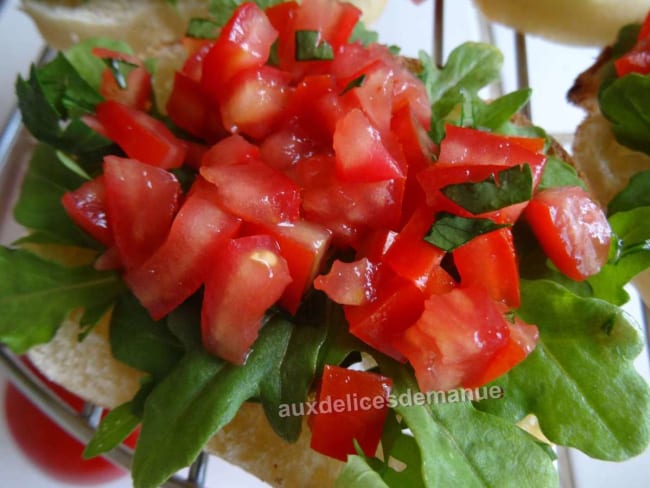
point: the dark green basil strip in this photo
(451, 231)
(559, 173)
(310, 47)
(356, 83)
(507, 187)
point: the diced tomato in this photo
(374, 96)
(194, 153)
(572, 229)
(349, 283)
(197, 50)
(248, 276)
(287, 146)
(182, 263)
(255, 192)
(382, 321)
(282, 18)
(375, 244)
(303, 245)
(191, 110)
(411, 257)
(637, 60)
(86, 206)
(136, 93)
(522, 341)
(490, 261)
(457, 336)
(141, 201)
(244, 42)
(253, 101)
(317, 105)
(141, 136)
(231, 150)
(334, 20)
(361, 155)
(108, 260)
(472, 147)
(352, 406)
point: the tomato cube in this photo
(141, 202)
(572, 229)
(248, 276)
(182, 263)
(86, 206)
(352, 405)
(141, 136)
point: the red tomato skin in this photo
(136, 94)
(141, 136)
(86, 206)
(244, 42)
(361, 155)
(349, 283)
(454, 340)
(282, 17)
(231, 150)
(190, 109)
(382, 321)
(142, 201)
(182, 263)
(522, 341)
(304, 246)
(248, 276)
(254, 100)
(255, 192)
(197, 50)
(353, 415)
(572, 229)
(490, 261)
(637, 60)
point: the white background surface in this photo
(552, 70)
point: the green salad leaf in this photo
(635, 194)
(112, 430)
(580, 380)
(559, 173)
(26, 279)
(469, 68)
(357, 473)
(458, 442)
(39, 206)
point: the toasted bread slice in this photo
(582, 22)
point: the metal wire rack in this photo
(82, 425)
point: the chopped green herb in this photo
(310, 47)
(507, 187)
(356, 83)
(451, 231)
(202, 29)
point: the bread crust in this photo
(581, 22)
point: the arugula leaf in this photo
(458, 442)
(582, 363)
(140, 342)
(310, 47)
(631, 255)
(196, 399)
(358, 473)
(451, 231)
(558, 173)
(39, 205)
(113, 429)
(470, 67)
(625, 102)
(635, 194)
(507, 187)
(26, 279)
(495, 115)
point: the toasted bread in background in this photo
(605, 164)
(581, 22)
(144, 24)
